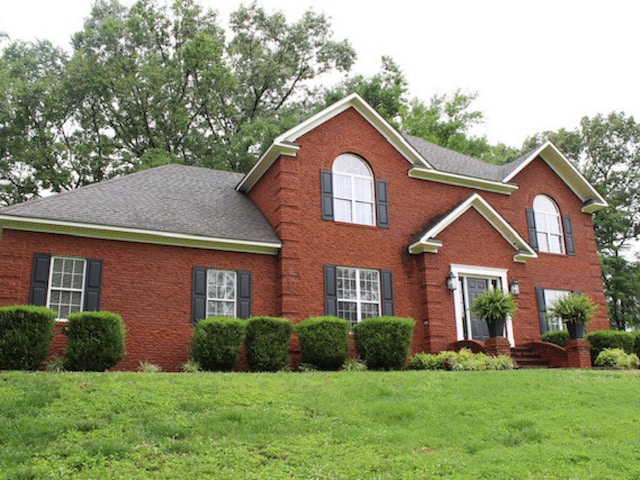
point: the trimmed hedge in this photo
(559, 337)
(602, 339)
(267, 343)
(384, 342)
(25, 336)
(217, 342)
(96, 341)
(324, 342)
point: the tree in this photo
(34, 115)
(157, 83)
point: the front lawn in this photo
(415, 424)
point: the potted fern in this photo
(575, 311)
(494, 306)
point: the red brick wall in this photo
(419, 280)
(148, 285)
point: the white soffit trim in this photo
(285, 143)
(125, 234)
(429, 243)
(592, 200)
(462, 180)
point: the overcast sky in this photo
(537, 65)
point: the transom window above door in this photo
(353, 196)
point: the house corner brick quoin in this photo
(342, 215)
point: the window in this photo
(546, 297)
(220, 293)
(352, 190)
(548, 226)
(357, 293)
(348, 193)
(66, 284)
(548, 230)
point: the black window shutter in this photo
(199, 294)
(542, 310)
(330, 291)
(531, 225)
(382, 203)
(326, 185)
(568, 235)
(39, 279)
(243, 294)
(92, 285)
(387, 293)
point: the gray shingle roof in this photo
(449, 161)
(170, 199)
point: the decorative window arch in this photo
(548, 230)
(350, 193)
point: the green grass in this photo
(415, 424)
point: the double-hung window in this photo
(220, 293)
(356, 293)
(66, 284)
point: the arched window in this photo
(353, 198)
(548, 225)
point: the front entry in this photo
(472, 281)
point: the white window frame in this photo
(499, 274)
(51, 288)
(544, 218)
(358, 300)
(354, 200)
(215, 299)
(554, 323)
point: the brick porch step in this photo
(525, 358)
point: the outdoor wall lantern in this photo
(514, 287)
(452, 281)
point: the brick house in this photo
(342, 215)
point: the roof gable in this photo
(591, 199)
(428, 242)
(285, 143)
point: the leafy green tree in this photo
(34, 118)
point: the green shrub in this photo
(383, 342)
(559, 337)
(217, 342)
(426, 361)
(324, 342)
(96, 341)
(602, 339)
(465, 359)
(617, 358)
(267, 343)
(25, 336)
